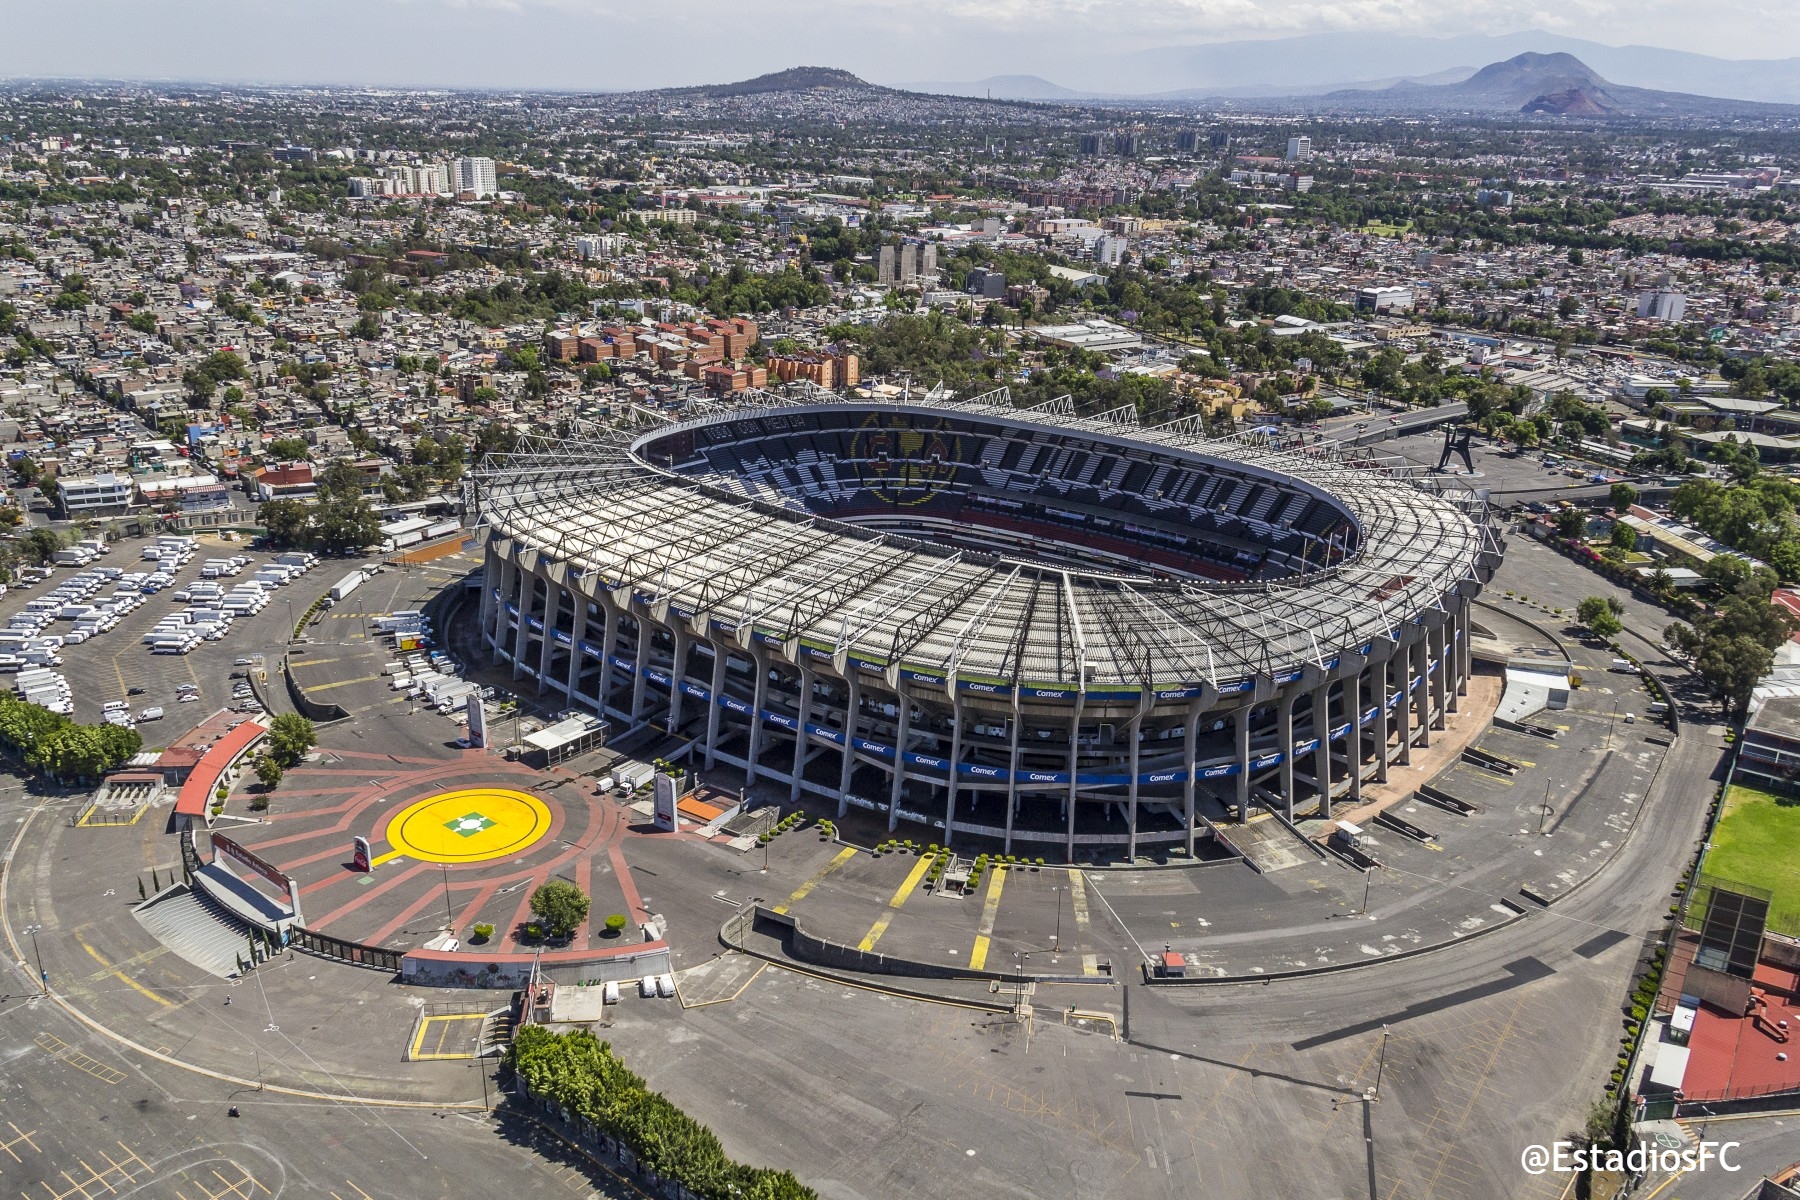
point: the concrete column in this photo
(1379, 678)
(713, 706)
(527, 586)
(904, 731)
(1421, 655)
(1353, 743)
(1466, 660)
(1284, 737)
(1131, 792)
(1189, 738)
(577, 631)
(490, 579)
(802, 743)
(639, 661)
(1403, 664)
(1012, 770)
(760, 661)
(852, 708)
(609, 613)
(1321, 717)
(547, 645)
(1240, 720)
(677, 669)
(951, 779)
(1437, 643)
(1074, 752)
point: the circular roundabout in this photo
(469, 825)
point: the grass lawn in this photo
(1758, 842)
(1380, 229)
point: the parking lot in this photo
(113, 665)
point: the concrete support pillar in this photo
(1353, 739)
(1012, 771)
(1467, 645)
(609, 638)
(902, 732)
(1436, 640)
(527, 585)
(490, 579)
(1421, 676)
(1284, 738)
(950, 778)
(1240, 722)
(639, 661)
(1402, 667)
(577, 632)
(802, 743)
(1321, 718)
(713, 707)
(1379, 678)
(677, 668)
(1131, 792)
(1190, 735)
(852, 709)
(1074, 777)
(759, 659)
(547, 644)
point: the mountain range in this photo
(1318, 64)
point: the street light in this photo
(43, 975)
(1059, 889)
(1020, 958)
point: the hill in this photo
(1001, 87)
(794, 79)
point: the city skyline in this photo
(574, 44)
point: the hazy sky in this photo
(607, 44)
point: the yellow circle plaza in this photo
(469, 825)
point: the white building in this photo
(1110, 251)
(1384, 299)
(1299, 149)
(95, 493)
(474, 175)
(1661, 306)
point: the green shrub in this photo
(582, 1074)
(615, 924)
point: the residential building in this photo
(89, 495)
(1661, 306)
(1299, 148)
(474, 176)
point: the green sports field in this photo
(1758, 842)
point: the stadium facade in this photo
(1067, 634)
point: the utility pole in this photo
(1544, 808)
(1059, 895)
(43, 975)
(1380, 1065)
(449, 913)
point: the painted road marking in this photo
(990, 909)
(1090, 963)
(124, 978)
(451, 1027)
(75, 1058)
(801, 892)
(905, 889)
(326, 687)
(19, 1136)
(469, 825)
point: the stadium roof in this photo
(692, 551)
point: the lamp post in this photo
(1059, 889)
(1020, 959)
(43, 975)
(449, 912)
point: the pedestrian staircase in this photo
(197, 929)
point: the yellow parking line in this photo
(906, 888)
(389, 857)
(325, 687)
(990, 909)
(120, 975)
(800, 893)
(1078, 899)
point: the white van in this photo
(647, 987)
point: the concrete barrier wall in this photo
(826, 953)
(307, 707)
(469, 968)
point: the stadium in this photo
(1066, 634)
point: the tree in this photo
(1732, 667)
(1624, 537)
(287, 521)
(1600, 614)
(290, 737)
(346, 525)
(268, 771)
(1571, 523)
(288, 449)
(560, 905)
(1623, 496)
